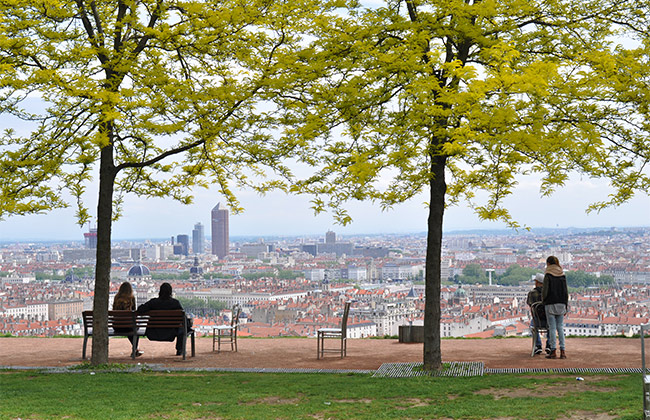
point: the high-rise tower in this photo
(90, 238)
(198, 239)
(220, 233)
(184, 242)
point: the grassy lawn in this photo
(210, 395)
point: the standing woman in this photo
(555, 297)
(125, 301)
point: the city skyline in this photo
(279, 214)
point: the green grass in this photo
(91, 394)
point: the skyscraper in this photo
(184, 242)
(90, 238)
(220, 233)
(198, 239)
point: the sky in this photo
(277, 214)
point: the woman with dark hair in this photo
(124, 300)
(164, 301)
(555, 297)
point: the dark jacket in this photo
(535, 295)
(161, 334)
(555, 290)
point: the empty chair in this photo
(227, 334)
(335, 333)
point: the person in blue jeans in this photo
(555, 297)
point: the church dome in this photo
(139, 270)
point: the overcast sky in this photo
(279, 214)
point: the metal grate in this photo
(562, 370)
(407, 370)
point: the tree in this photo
(152, 97)
(516, 274)
(581, 279)
(200, 307)
(473, 273)
(459, 96)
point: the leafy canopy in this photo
(499, 88)
(152, 79)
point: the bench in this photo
(132, 324)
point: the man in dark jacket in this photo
(164, 301)
(535, 296)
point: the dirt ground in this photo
(300, 353)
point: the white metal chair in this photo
(539, 324)
(336, 333)
(227, 334)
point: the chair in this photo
(539, 324)
(227, 333)
(646, 378)
(336, 333)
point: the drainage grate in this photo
(407, 370)
(562, 370)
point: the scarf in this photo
(554, 270)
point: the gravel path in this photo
(300, 353)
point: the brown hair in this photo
(552, 260)
(124, 299)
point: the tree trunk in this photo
(438, 188)
(103, 262)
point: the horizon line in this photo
(504, 230)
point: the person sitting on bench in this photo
(164, 301)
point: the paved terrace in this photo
(300, 353)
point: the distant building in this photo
(68, 309)
(331, 246)
(196, 271)
(184, 242)
(138, 272)
(90, 238)
(371, 251)
(79, 254)
(198, 239)
(220, 232)
(254, 250)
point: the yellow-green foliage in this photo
(500, 88)
(181, 93)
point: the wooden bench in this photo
(132, 324)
